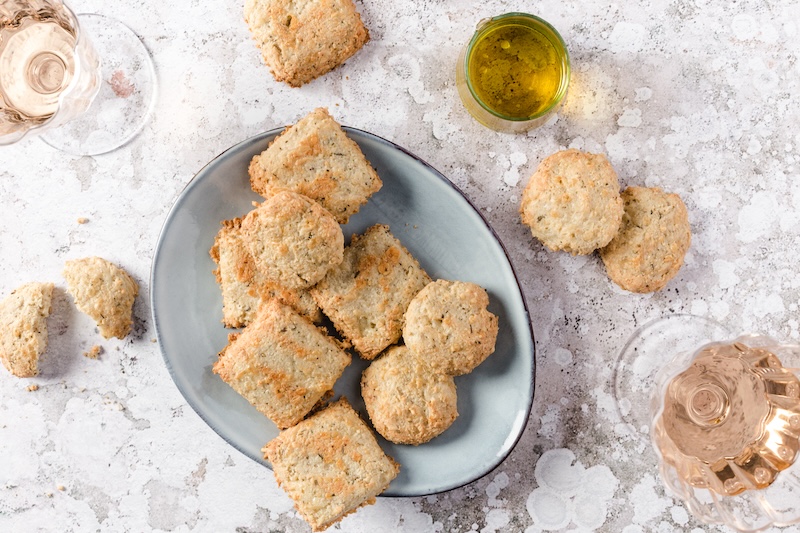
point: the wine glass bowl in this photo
(730, 421)
(724, 419)
(84, 83)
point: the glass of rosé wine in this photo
(83, 83)
(722, 412)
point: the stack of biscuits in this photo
(409, 392)
(304, 300)
(573, 203)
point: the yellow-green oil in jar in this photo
(513, 74)
(515, 71)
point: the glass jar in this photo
(512, 76)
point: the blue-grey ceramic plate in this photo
(438, 225)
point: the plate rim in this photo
(181, 195)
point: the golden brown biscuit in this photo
(23, 328)
(303, 39)
(407, 400)
(103, 291)
(330, 465)
(244, 287)
(449, 324)
(294, 241)
(281, 363)
(652, 241)
(317, 159)
(367, 295)
(572, 202)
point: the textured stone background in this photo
(697, 97)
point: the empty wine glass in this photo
(84, 83)
(723, 416)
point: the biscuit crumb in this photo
(62, 488)
(32, 388)
(94, 352)
(82, 220)
(48, 494)
(154, 341)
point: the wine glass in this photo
(84, 83)
(723, 416)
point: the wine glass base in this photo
(126, 96)
(657, 346)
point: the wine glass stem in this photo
(708, 405)
(46, 73)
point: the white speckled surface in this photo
(697, 97)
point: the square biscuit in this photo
(301, 40)
(23, 328)
(367, 295)
(330, 465)
(316, 158)
(244, 287)
(281, 363)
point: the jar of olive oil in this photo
(513, 74)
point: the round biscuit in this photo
(572, 202)
(449, 324)
(652, 241)
(293, 240)
(407, 402)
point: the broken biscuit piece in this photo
(23, 328)
(103, 291)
